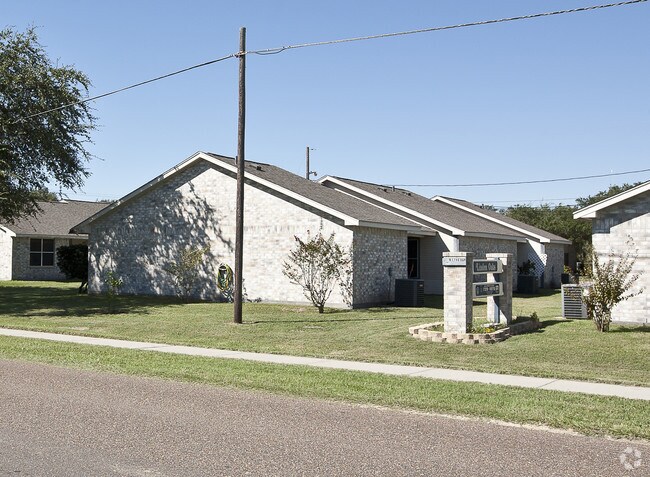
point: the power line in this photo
(523, 201)
(141, 83)
(274, 51)
(540, 181)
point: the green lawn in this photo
(587, 414)
(562, 349)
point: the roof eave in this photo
(419, 215)
(8, 231)
(503, 223)
(591, 211)
(380, 225)
(515, 238)
(39, 235)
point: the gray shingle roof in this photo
(511, 221)
(319, 193)
(439, 211)
(56, 218)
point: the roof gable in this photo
(591, 211)
(285, 184)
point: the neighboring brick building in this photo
(28, 247)
(621, 224)
(193, 204)
(461, 226)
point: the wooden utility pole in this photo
(239, 227)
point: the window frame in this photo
(410, 259)
(37, 249)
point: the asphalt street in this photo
(63, 422)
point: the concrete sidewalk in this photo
(630, 392)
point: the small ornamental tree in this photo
(317, 265)
(612, 283)
(184, 270)
(72, 260)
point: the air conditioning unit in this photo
(409, 292)
(572, 304)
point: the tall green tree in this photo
(582, 202)
(559, 219)
(36, 151)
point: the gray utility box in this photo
(572, 303)
(409, 292)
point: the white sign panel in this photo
(454, 261)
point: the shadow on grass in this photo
(329, 320)
(59, 301)
(542, 292)
(546, 323)
(641, 328)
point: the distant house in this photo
(28, 247)
(460, 226)
(616, 222)
(193, 205)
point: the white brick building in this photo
(193, 204)
(614, 222)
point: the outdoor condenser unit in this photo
(572, 304)
(409, 292)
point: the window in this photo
(41, 252)
(413, 258)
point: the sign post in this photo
(499, 307)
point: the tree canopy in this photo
(38, 150)
(559, 219)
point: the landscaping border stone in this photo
(425, 333)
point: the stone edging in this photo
(424, 333)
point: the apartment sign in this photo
(488, 266)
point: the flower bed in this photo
(428, 332)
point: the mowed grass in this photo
(587, 414)
(560, 349)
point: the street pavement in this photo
(64, 422)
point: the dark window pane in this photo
(48, 259)
(34, 245)
(35, 259)
(412, 248)
(413, 258)
(48, 245)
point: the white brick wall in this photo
(611, 232)
(6, 244)
(379, 259)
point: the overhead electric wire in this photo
(272, 51)
(141, 83)
(540, 181)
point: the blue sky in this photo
(546, 98)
